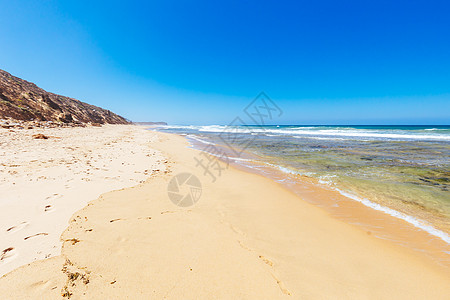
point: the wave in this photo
(287, 170)
(311, 132)
(194, 137)
(435, 129)
(420, 224)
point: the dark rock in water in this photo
(367, 158)
(23, 100)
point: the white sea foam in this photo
(322, 132)
(288, 170)
(326, 180)
(435, 129)
(410, 219)
(240, 159)
(194, 137)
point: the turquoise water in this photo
(406, 168)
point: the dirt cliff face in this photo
(23, 100)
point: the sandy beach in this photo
(44, 181)
(247, 237)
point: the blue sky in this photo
(202, 62)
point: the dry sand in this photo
(44, 181)
(246, 238)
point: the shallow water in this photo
(405, 168)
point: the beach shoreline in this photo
(247, 237)
(401, 170)
(379, 221)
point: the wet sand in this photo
(376, 222)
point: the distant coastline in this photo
(150, 123)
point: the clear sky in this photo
(201, 62)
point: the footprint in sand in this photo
(49, 208)
(266, 261)
(7, 255)
(115, 220)
(35, 235)
(53, 197)
(17, 227)
(43, 285)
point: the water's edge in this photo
(438, 247)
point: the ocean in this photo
(401, 170)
